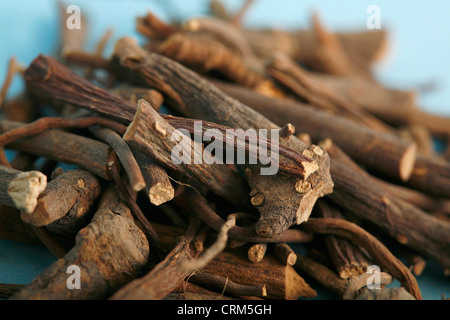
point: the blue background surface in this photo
(419, 54)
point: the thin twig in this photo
(125, 155)
(44, 124)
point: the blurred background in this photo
(418, 57)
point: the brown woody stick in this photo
(320, 182)
(65, 147)
(14, 229)
(225, 33)
(190, 291)
(152, 135)
(284, 253)
(21, 189)
(331, 57)
(437, 124)
(407, 113)
(379, 196)
(395, 107)
(208, 55)
(348, 259)
(63, 205)
(44, 124)
(135, 209)
(87, 59)
(371, 96)
(20, 109)
(281, 207)
(110, 252)
(431, 175)
(289, 162)
(389, 294)
(50, 80)
(151, 26)
(381, 151)
(375, 248)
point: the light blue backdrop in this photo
(419, 54)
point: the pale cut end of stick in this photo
(191, 25)
(285, 254)
(407, 162)
(138, 186)
(291, 259)
(26, 188)
(257, 252)
(264, 291)
(287, 131)
(160, 194)
(311, 167)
